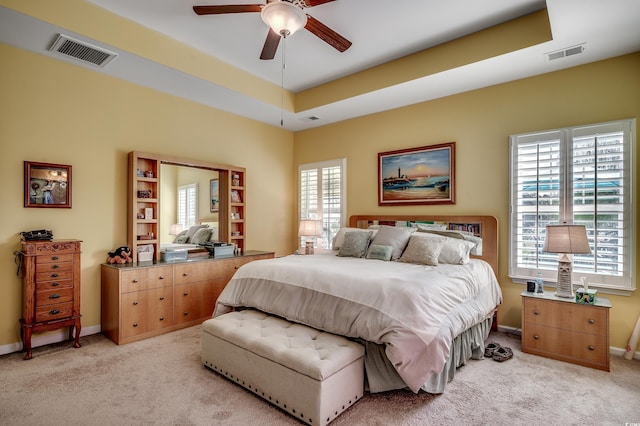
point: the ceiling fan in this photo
(284, 17)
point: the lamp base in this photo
(564, 279)
(308, 247)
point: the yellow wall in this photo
(55, 112)
(480, 123)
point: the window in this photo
(322, 195)
(188, 205)
(580, 175)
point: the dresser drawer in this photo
(54, 275)
(52, 285)
(54, 258)
(145, 311)
(146, 278)
(51, 297)
(566, 345)
(579, 318)
(194, 272)
(52, 312)
(54, 267)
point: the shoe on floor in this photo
(502, 354)
(490, 349)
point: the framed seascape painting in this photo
(47, 185)
(214, 195)
(424, 175)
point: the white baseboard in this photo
(612, 350)
(47, 339)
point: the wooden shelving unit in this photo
(237, 199)
(144, 203)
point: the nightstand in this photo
(562, 329)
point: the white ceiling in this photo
(380, 31)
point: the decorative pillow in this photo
(380, 252)
(476, 250)
(201, 236)
(454, 251)
(338, 240)
(424, 251)
(355, 244)
(181, 239)
(394, 236)
(431, 226)
(193, 229)
(181, 234)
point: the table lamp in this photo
(309, 229)
(566, 240)
(175, 229)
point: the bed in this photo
(418, 317)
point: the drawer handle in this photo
(55, 266)
(235, 267)
(135, 281)
(161, 297)
(186, 313)
(54, 275)
(161, 277)
(135, 324)
(186, 293)
(135, 302)
(591, 321)
(591, 348)
(185, 274)
(54, 296)
(536, 312)
(54, 312)
(54, 257)
(55, 284)
(536, 337)
(161, 318)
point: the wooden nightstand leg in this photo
(77, 326)
(25, 331)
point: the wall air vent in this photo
(569, 51)
(65, 45)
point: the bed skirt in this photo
(381, 376)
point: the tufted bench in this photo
(311, 374)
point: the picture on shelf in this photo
(214, 195)
(235, 197)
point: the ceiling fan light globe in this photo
(283, 18)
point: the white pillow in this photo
(338, 240)
(394, 236)
(477, 241)
(454, 251)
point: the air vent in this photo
(65, 45)
(569, 51)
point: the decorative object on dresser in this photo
(309, 229)
(144, 301)
(424, 175)
(47, 185)
(566, 240)
(50, 289)
(562, 329)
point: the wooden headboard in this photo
(484, 226)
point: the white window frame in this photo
(187, 214)
(563, 206)
(317, 208)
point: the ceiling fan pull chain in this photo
(284, 48)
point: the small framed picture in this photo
(47, 185)
(235, 197)
(148, 213)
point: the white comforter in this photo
(414, 310)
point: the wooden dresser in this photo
(50, 289)
(140, 301)
(562, 329)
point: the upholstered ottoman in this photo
(313, 375)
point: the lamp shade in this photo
(566, 239)
(175, 229)
(310, 228)
(283, 17)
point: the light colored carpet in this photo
(160, 381)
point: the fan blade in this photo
(312, 3)
(270, 45)
(326, 34)
(237, 8)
